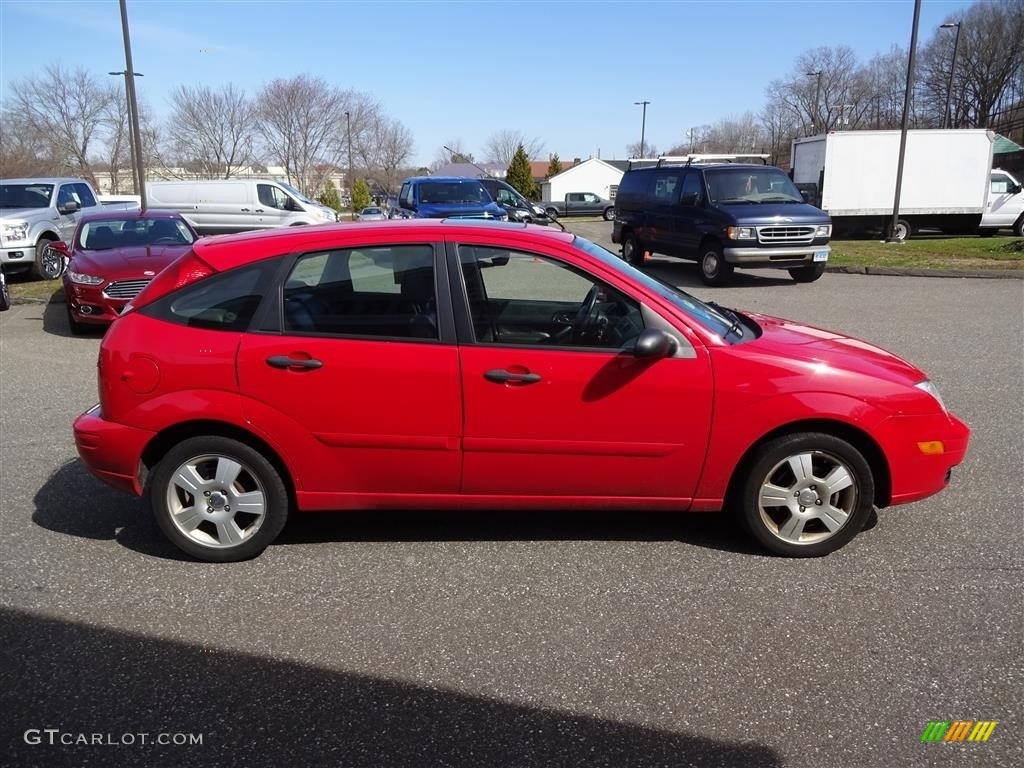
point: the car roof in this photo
(227, 251)
(703, 166)
(440, 178)
(47, 180)
(131, 213)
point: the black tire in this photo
(1018, 228)
(5, 294)
(807, 274)
(807, 521)
(632, 250)
(48, 264)
(903, 231)
(74, 326)
(714, 270)
(552, 213)
(176, 508)
(987, 232)
(609, 213)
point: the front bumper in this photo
(774, 256)
(916, 475)
(112, 452)
(88, 303)
(17, 254)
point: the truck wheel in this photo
(1018, 228)
(632, 250)
(552, 213)
(609, 213)
(5, 295)
(714, 270)
(807, 274)
(903, 230)
(49, 264)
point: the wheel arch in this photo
(165, 440)
(47, 234)
(855, 436)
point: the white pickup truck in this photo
(1005, 207)
(37, 212)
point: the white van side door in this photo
(1002, 208)
(225, 206)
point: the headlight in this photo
(503, 217)
(930, 388)
(825, 230)
(15, 230)
(84, 279)
(742, 233)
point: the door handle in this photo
(245, 210)
(283, 361)
(258, 210)
(507, 377)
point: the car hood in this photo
(457, 210)
(761, 214)
(24, 213)
(817, 347)
(119, 263)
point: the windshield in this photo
(706, 315)
(468, 191)
(25, 195)
(751, 185)
(296, 193)
(106, 234)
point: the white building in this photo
(601, 177)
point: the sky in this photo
(567, 73)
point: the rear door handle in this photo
(245, 210)
(505, 377)
(258, 210)
(283, 361)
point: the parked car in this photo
(1005, 205)
(439, 197)
(238, 205)
(114, 255)
(34, 214)
(579, 204)
(459, 364)
(516, 206)
(372, 213)
(723, 216)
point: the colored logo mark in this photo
(959, 730)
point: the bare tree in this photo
(23, 151)
(213, 130)
(452, 151)
(68, 109)
(736, 135)
(302, 121)
(501, 147)
(633, 150)
(392, 145)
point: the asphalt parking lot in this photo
(418, 639)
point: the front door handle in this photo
(507, 377)
(259, 210)
(283, 361)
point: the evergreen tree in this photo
(554, 167)
(329, 196)
(519, 175)
(360, 195)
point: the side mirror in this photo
(60, 247)
(654, 343)
(1015, 189)
(68, 207)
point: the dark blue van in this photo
(723, 216)
(448, 197)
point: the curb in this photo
(1012, 274)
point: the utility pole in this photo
(903, 128)
(643, 124)
(351, 190)
(817, 102)
(947, 117)
(133, 108)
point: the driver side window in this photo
(524, 299)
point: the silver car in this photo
(372, 213)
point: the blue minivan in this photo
(723, 216)
(447, 197)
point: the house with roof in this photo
(595, 175)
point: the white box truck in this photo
(852, 175)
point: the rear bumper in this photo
(112, 452)
(915, 474)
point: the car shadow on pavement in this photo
(55, 320)
(80, 679)
(74, 503)
(686, 275)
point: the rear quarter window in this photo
(632, 188)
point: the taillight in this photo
(185, 270)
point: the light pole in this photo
(817, 99)
(947, 117)
(351, 189)
(133, 107)
(643, 124)
(131, 129)
(892, 238)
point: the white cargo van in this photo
(237, 205)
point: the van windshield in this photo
(468, 191)
(750, 185)
(296, 193)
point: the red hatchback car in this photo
(457, 364)
(113, 256)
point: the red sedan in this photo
(112, 256)
(443, 364)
